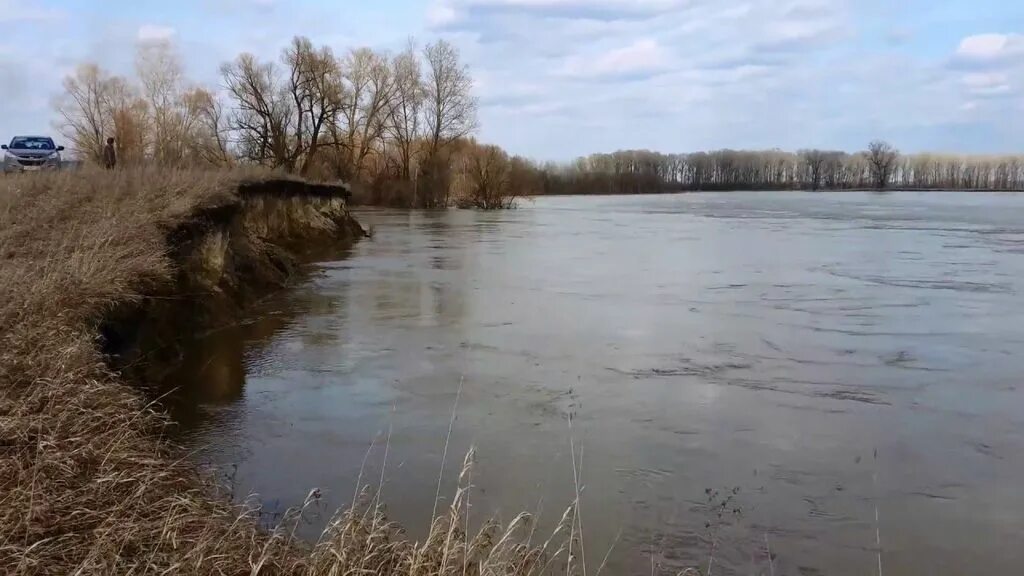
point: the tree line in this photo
(879, 166)
(398, 127)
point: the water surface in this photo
(826, 355)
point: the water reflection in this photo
(205, 391)
(826, 354)
(215, 365)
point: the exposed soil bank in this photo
(225, 257)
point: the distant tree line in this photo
(398, 127)
(880, 166)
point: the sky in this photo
(558, 79)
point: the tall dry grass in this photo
(87, 483)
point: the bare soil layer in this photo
(225, 256)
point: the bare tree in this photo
(160, 74)
(314, 86)
(450, 108)
(449, 115)
(813, 160)
(833, 168)
(129, 120)
(209, 136)
(96, 106)
(375, 107)
(881, 158)
(403, 113)
(261, 119)
(82, 108)
(369, 88)
(524, 180)
(488, 178)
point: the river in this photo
(846, 364)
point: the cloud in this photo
(14, 80)
(447, 13)
(507, 92)
(244, 4)
(547, 4)
(989, 48)
(18, 11)
(797, 25)
(642, 58)
(24, 84)
(794, 35)
(987, 83)
(442, 14)
(155, 33)
(673, 75)
(679, 74)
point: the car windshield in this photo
(30, 143)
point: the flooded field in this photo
(846, 366)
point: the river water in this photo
(845, 365)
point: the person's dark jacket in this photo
(109, 156)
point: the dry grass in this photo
(87, 485)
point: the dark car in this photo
(31, 153)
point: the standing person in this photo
(109, 155)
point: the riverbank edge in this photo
(96, 297)
(225, 258)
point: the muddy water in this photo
(830, 358)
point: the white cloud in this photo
(797, 33)
(987, 83)
(441, 14)
(630, 5)
(18, 11)
(155, 33)
(245, 4)
(990, 47)
(679, 74)
(504, 91)
(642, 57)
